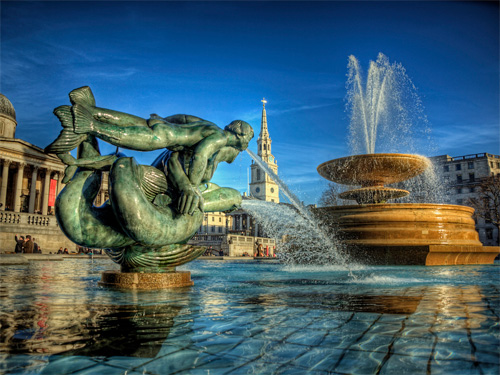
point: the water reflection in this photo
(87, 329)
(378, 304)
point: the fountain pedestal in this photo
(144, 281)
(409, 234)
(376, 232)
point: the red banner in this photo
(52, 193)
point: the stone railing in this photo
(27, 219)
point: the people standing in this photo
(36, 248)
(19, 244)
(28, 245)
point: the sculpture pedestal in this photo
(146, 281)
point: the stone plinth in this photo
(409, 234)
(146, 281)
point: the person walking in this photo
(28, 245)
(19, 244)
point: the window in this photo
(459, 190)
(458, 167)
(459, 179)
(220, 229)
(492, 164)
(446, 168)
(470, 165)
(498, 165)
(489, 233)
(472, 178)
(272, 190)
(213, 228)
(258, 175)
(220, 220)
(213, 218)
(473, 189)
(257, 190)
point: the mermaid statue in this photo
(153, 210)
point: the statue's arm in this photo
(189, 196)
(203, 152)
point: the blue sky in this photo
(217, 60)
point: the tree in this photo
(330, 197)
(487, 203)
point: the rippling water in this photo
(245, 317)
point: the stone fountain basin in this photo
(373, 169)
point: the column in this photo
(5, 181)
(58, 177)
(33, 189)
(102, 196)
(46, 186)
(19, 187)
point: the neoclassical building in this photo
(29, 183)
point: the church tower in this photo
(262, 186)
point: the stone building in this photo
(238, 228)
(262, 186)
(462, 175)
(29, 183)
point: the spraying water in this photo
(385, 110)
(387, 115)
(306, 241)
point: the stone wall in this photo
(43, 228)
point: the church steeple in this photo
(261, 185)
(264, 141)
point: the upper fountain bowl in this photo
(373, 169)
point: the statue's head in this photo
(243, 132)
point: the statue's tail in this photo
(82, 95)
(67, 139)
(82, 119)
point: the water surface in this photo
(247, 317)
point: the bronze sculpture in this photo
(154, 210)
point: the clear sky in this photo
(217, 60)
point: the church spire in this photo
(264, 133)
(264, 141)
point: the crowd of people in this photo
(26, 244)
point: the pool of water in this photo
(251, 318)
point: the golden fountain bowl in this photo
(373, 169)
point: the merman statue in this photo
(152, 211)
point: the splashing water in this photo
(305, 241)
(387, 115)
(385, 109)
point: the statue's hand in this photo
(190, 200)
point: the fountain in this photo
(152, 211)
(377, 232)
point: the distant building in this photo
(238, 228)
(29, 183)
(262, 186)
(462, 175)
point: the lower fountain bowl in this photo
(409, 233)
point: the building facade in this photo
(29, 183)
(262, 186)
(462, 175)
